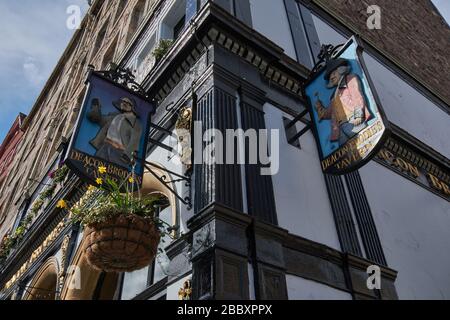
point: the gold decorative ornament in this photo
(183, 131)
(185, 293)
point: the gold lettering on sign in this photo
(355, 149)
(91, 165)
(439, 185)
(415, 172)
(47, 242)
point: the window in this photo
(145, 60)
(120, 7)
(137, 281)
(109, 55)
(99, 40)
(179, 27)
(174, 21)
(137, 16)
(192, 8)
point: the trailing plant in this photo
(48, 192)
(10, 241)
(122, 229)
(37, 205)
(162, 48)
(108, 200)
(61, 174)
(5, 248)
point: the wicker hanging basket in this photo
(122, 244)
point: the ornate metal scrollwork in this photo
(327, 53)
(123, 77)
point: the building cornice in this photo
(214, 25)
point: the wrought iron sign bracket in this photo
(164, 180)
(123, 77)
(327, 53)
(292, 123)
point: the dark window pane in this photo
(179, 27)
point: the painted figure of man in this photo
(120, 132)
(348, 109)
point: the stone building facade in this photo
(8, 148)
(298, 234)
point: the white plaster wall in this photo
(303, 289)
(409, 109)
(404, 106)
(326, 34)
(301, 196)
(414, 228)
(269, 17)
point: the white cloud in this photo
(33, 36)
(33, 72)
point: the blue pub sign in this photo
(112, 129)
(347, 117)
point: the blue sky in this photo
(33, 36)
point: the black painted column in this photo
(219, 241)
(216, 182)
(345, 225)
(265, 238)
(260, 194)
(364, 217)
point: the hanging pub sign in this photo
(112, 128)
(347, 117)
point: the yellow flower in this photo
(131, 180)
(61, 204)
(102, 169)
(91, 188)
(99, 181)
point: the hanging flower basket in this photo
(124, 243)
(121, 229)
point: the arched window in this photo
(120, 7)
(137, 16)
(75, 111)
(44, 284)
(99, 40)
(109, 55)
(82, 282)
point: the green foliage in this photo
(162, 48)
(37, 205)
(48, 192)
(10, 241)
(109, 201)
(61, 174)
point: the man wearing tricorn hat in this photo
(348, 109)
(120, 132)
